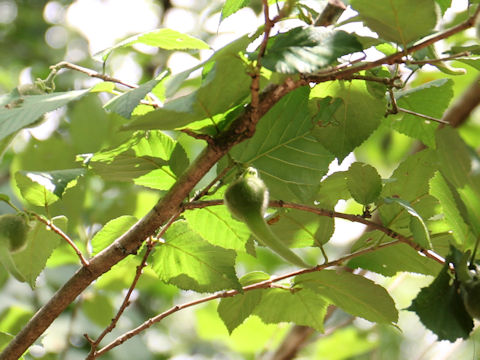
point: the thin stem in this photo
(89, 72)
(398, 56)
(440, 121)
(70, 242)
(335, 214)
(230, 293)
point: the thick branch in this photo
(458, 113)
(242, 128)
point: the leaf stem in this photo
(64, 236)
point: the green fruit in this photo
(247, 200)
(471, 297)
(248, 194)
(14, 228)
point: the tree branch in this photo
(230, 293)
(241, 129)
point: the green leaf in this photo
(216, 225)
(32, 107)
(440, 308)
(287, 157)
(454, 210)
(430, 99)
(332, 189)
(5, 339)
(125, 103)
(111, 231)
(232, 6)
(14, 318)
(173, 83)
(301, 228)
(225, 86)
(302, 307)
(190, 263)
(234, 310)
(353, 293)
(417, 225)
(57, 181)
(364, 183)
(98, 308)
(390, 260)
(307, 50)
(453, 156)
(409, 182)
(354, 121)
(395, 21)
(167, 39)
(33, 192)
(143, 159)
(348, 343)
(41, 242)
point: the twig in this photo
(89, 72)
(432, 61)
(240, 129)
(440, 121)
(207, 188)
(335, 214)
(59, 231)
(126, 301)
(396, 57)
(230, 293)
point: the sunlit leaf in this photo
(189, 262)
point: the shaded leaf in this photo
(390, 260)
(225, 86)
(332, 189)
(234, 310)
(40, 244)
(453, 156)
(440, 308)
(98, 308)
(32, 107)
(454, 210)
(417, 225)
(302, 307)
(125, 103)
(288, 158)
(364, 183)
(353, 293)
(409, 182)
(430, 99)
(354, 121)
(301, 228)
